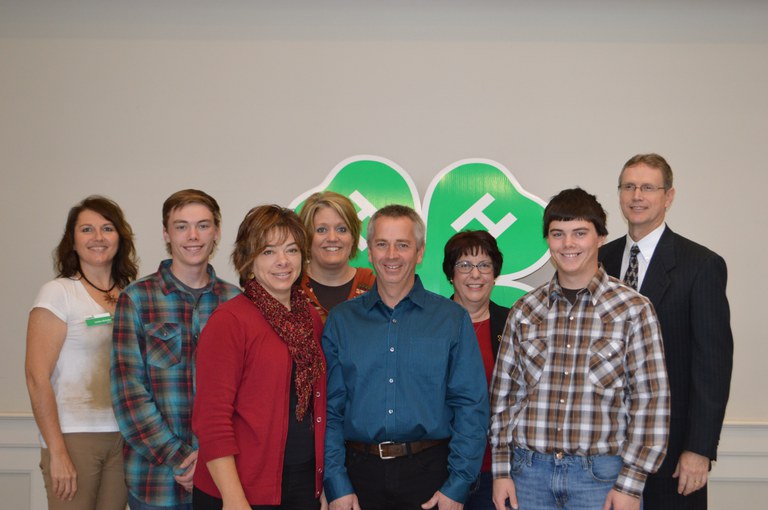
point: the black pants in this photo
(297, 492)
(404, 483)
(661, 494)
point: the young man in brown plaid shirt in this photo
(579, 397)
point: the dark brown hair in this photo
(125, 264)
(471, 242)
(575, 204)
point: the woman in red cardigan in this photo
(333, 231)
(259, 411)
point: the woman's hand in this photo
(63, 476)
(239, 505)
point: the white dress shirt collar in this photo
(647, 246)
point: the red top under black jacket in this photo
(241, 406)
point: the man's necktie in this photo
(630, 277)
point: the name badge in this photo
(98, 320)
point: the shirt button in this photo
(391, 411)
(317, 394)
(570, 318)
(562, 401)
(318, 419)
(391, 380)
(391, 349)
(566, 372)
(568, 345)
(394, 321)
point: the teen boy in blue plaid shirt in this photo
(156, 326)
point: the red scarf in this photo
(296, 328)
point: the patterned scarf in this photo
(295, 327)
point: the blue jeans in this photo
(481, 494)
(543, 481)
(136, 504)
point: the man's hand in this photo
(442, 502)
(692, 472)
(619, 501)
(63, 476)
(348, 502)
(503, 489)
(185, 479)
(323, 501)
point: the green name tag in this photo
(98, 320)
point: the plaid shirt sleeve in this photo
(141, 423)
(507, 393)
(648, 404)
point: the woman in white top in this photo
(69, 340)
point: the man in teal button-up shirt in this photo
(404, 368)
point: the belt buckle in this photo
(381, 452)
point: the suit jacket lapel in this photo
(657, 279)
(613, 255)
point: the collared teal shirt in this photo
(405, 374)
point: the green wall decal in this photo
(477, 194)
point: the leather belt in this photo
(391, 450)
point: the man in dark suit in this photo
(686, 284)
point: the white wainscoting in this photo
(739, 480)
(20, 478)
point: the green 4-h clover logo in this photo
(472, 194)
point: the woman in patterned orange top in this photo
(333, 229)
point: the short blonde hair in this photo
(343, 207)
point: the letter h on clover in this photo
(477, 194)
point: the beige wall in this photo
(259, 109)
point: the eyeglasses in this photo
(467, 267)
(644, 188)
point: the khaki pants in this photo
(98, 460)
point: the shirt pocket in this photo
(533, 358)
(606, 363)
(428, 358)
(163, 344)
